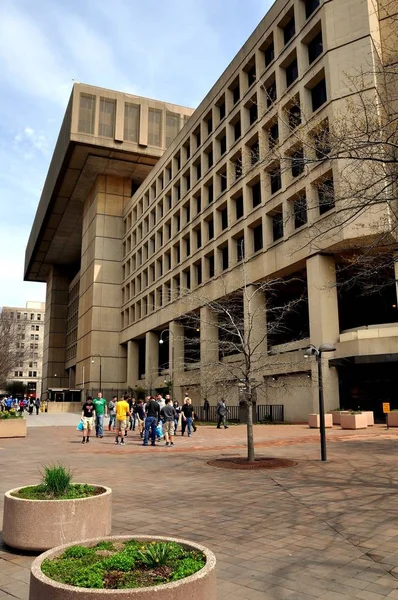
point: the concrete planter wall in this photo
(336, 415)
(314, 421)
(392, 418)
(38, 525)
(200, 586)
(355, 421)
(369, 416)
(11, 428)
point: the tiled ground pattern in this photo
(319, 530)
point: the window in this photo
(210, 263)
(273, 135)
(32, 316)
(198, 167)
(300, 211)
(224, 218)
(325, 195)
(210, 193)
(224, 258)
(239, 206)
(154, 127)
(223, 143)
(253, 112)
(291, 72)
(221, 109)
(199, 238)
(86, 114)
(318, 94)
(297, 162)
(310, 7)
(315, 47)
(268, 50)
(289, 30)
(197, 137)
(131, 122)
(277, 224)
(209, 153)
(237, 129)
(294, 115)
(254, 152)
(209, 123)
(322, 142)
(223, 180)
(256, 194)
(270, 92)
(275, 179)
(235, 89)
(257, 238)
(210, 229)
(198, 268)
(237, 166)
(240, 248)
(107, 118)
(173, 121)
(198, 200)
(251, 72)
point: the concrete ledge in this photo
(71, 407)
(354, 421)
(11, 428)
(37, 525)
(200, 586)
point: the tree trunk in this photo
(250, 439)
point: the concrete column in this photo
(132, 363)
(55, 325)
(176, 357)
(208, 337)
(255, 319)
(324, 323)
(151, 359)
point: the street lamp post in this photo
(317, 352)
(161, 341)
(100, 369)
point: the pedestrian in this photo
(133, 414)
(21, 406)
(88, 416)
(122, 412)
(206, 408)
(188, 416)
(31, 406)
(152, 413)
(112, 413)
(101, 410)
(140, 414)
(2, 404)
(37, 405)
(177, 417)
(168, 414)
(221, 412)
(161, 401)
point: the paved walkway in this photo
(319, 530)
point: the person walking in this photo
(101, 410)
(122, 412)
(133, 414)
(188, 416)
(152, 413)
(206, 408)
(140, 414)
(222, 412)
(31, 406)
(37, 405)
(88, 416)
(112, 413)
(21, 406)
(177, 409)
(168, 414)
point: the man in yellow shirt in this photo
(122, 412)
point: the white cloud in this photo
(33, 139)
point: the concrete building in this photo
(29, 331)
(130, 235)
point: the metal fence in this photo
(270, 412)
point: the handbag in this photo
(80, 426)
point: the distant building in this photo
(28, 368)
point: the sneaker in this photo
(117, 442)
(125, 434)
(225, 426)
(189, 434)
(145, 444)
(167, 444)
(141, 434)
(171, 443)
(87, 440)
(122, 443)
(101, 436)
(83, 441)
(153, 444)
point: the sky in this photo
(171, 50)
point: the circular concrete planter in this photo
(38, 525)
(200, 586)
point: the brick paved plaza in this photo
(313, 531)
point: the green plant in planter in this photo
(57, 480)
(355, 412)
(56, 484)
(10, 414)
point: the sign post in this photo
(386, 410)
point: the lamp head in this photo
(92, 361)
(161, 341)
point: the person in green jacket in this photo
(101, 410)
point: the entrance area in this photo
(366, 385)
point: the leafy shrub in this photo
(187, 566)
(78, 552)
(119, 562)
(57, 480)
(155, 554)
(104, 546)
(88, 577)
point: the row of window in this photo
(19, 315)
(22, 374)
(244, 243)
(21, 345)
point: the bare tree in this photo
(12, 347)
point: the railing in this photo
(270, 412)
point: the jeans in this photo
(99, 425)
(221, 421)
(187, 423)
(112, 421)
(133, 421)
(150, 424)
(175, 425)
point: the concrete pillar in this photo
(132, 363)
(208, 337)
(324, 324)
(176, 357)
(151, 359)
(55, 325)
(255, 319)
